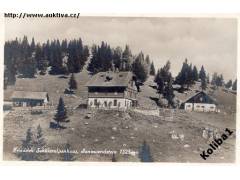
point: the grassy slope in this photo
(130, 131)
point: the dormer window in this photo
(108, 78)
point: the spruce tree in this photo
(152, 70)
(67, 155)
(208, 79)
(195, 73)
(203, 84)
(189, 74)
(28, 146)
(164, 82)
(228, 84)
(72, 83)
(139, 69)
(169, 94)
(214, 79)
(182, 76)
(145, 153)
(40, 143)
(61, 115)
(85, 53)
(117, 58)
(127, 59)
(43, 65)
(234, 86)
(202, 74)
(114, 158)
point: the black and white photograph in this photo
(120, 89)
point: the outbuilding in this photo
(200, 102)
(29, 98)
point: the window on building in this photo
(115, 102)
(95, 102)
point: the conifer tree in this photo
(40, 143)
(127, 59)
(72, 83)
(229, 84)
(169, 94)
(203, 84)
(139, 68)
(234, 86)
(195, 73)
(117, 58)
(214, 79)
(28, 147)
(145, 153)
(61, 115)
(202, 73)
(208, 79)
(67, 155)
(152, 70)
(182, 77)
(114, 158)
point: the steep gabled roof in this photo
(110, 79)
(29, 95)
(205, 98)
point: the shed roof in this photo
(110, 79)
(29, 95)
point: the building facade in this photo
(112, 90)
(27, 98)
(200, 102)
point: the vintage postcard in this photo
(119, 89)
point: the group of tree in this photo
(217, 80)
(164, 81)
(189, 75)
(231, 84)
(26, 59)
(105, 58)
(32, 145)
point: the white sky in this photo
(204, 41)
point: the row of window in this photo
(105, 103)
(198, 106)
(109, 104)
